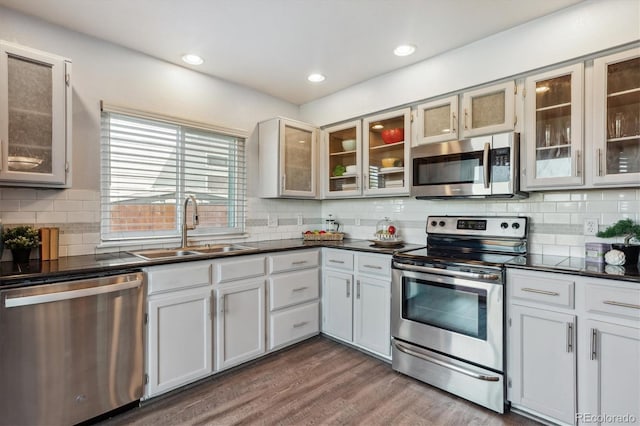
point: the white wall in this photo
(571, 33)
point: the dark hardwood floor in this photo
(317, 382)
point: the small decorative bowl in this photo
(389, 162)
(392, 135)
(349, 144)
(351, 169)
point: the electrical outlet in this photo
(590, 226)
(300, 219)
(357, 221)
(272, 221)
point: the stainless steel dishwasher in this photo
(70, 351)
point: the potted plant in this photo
(627, 229)
(20, 240)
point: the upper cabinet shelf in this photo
(35, 118)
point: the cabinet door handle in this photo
(594, 343)
(578, 165)
(222, 304)
(341, 262)
(599, 161)
(569, 337)
(365, 180)
(348, 289)
(358, 289)
(282, 183)
(300, 324)
(372, 266)
(299, 289)
(453, 122)
(466, 114)
(624, 305)
(535, 290)
(299, 262)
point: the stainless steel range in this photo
(447, 311)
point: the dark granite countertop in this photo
(576, 266)
(38, 272)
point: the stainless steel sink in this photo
(163, 253)
(190, 251)
(220, 248)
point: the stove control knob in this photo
(504, 225)
(441, 223)
(434, 223)
(515, 225)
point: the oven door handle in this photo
(461, 274)
(419, 354)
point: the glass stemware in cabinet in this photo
(623, 117)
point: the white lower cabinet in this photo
(573, 347)
(543, 373)
(240, 322)
(294, 297)
(179, 338)
(356, 299)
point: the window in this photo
(150, 165)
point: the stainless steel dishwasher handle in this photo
(461, 274)
(13, 302)
(425, 357)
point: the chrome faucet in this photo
(185, 228)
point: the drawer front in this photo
(294, 288)
(338, 259)
(616, 301)
(547, 289)
(293, 324)
(293, 260)
(175, 277)
(245, 267)
(374, 265)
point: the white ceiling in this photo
(272, 45)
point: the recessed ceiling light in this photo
(192, 59)
(316, 78)
(404, 50)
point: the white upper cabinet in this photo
(386, 148)
(288, 159)
(553, 142)
(342, 160)
(489, 110)
(438, 121)
(616, 119)
(35, 117)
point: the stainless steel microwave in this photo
(482, 167)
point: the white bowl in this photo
(349, 144)
(351, 169)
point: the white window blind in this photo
(149, 166)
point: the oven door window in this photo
(455, 308)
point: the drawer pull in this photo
(624, 305)
(545, 292)
(300, 324)
(299, 289)
(299, 262)
(336, 261)
(372, 266)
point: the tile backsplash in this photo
(556, 218)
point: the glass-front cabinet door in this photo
(342, 167)
(617, 118)
(553, 136)
(438, 121)
(488, 110)
(35, 101)
(297, 159)
(386, 145)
